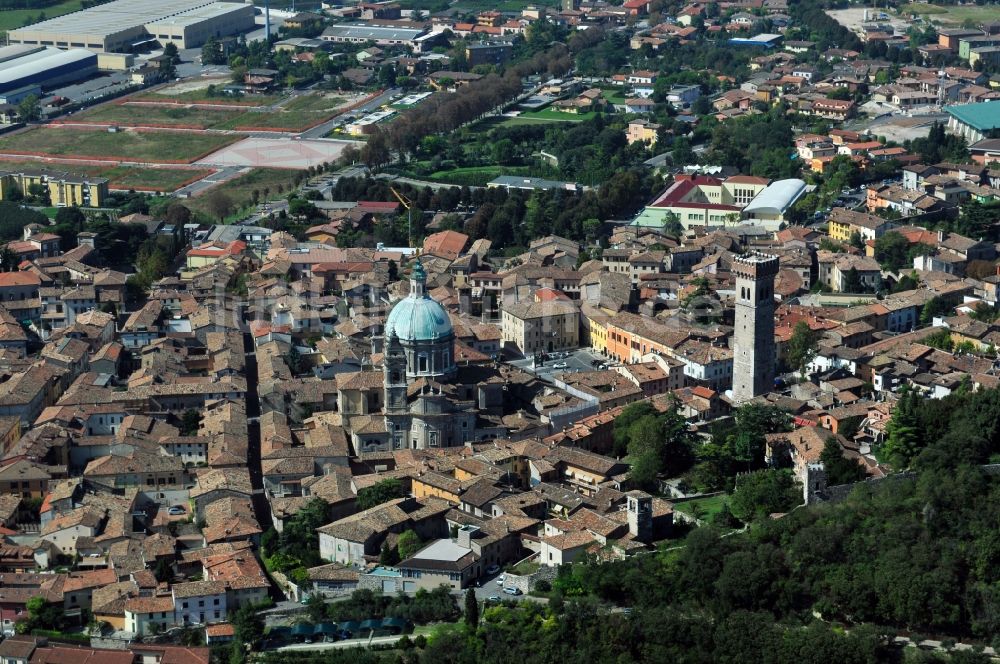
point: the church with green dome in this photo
(421, 409)
(422, 329)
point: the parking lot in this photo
(583, 359)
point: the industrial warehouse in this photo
(122, 26)
(24, 70)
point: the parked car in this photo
(495, 599)
(512, 591)
(559, 365)
(501, 579)
(492, 569)
(177, 510)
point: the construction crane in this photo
(408, 204)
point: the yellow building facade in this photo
(597, 329)
(839, 230)
(65, 189)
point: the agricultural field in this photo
(129, 115)
(119, 177)
(240, 189)
(12, 19)
(138, 146)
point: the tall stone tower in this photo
(397, 411)
(640, 515)
(753, 338)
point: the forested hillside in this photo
(915, 555)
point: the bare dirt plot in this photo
(191, 85)
(196, 91)
(854, 17)
(277, 153)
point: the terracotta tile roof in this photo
(161, 604)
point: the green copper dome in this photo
(417, 317)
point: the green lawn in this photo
(614, 95)
(702, 508)
(16, 18)
(145, 146)
(240, 189)
(119, 177)
(173, 116)
(296, 115)
(475, 176)
(952, 13)
(556, 116)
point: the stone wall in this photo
(527, 582)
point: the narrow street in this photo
(260, 503)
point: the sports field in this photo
(136, 146)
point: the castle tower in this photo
(753, 337)
(814, 482)
(640, 515)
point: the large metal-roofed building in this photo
(120, 25)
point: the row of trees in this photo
(444, 112)
(511, 219)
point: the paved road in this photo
(348, 643)
(260, 504)
(218, 177)
(321, 131)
